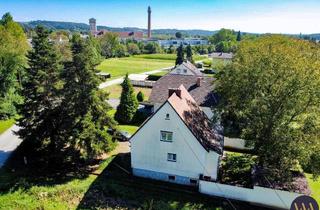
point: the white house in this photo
(186, 68)
(177, 143)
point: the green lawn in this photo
(115, 91)
(108, 187)
(5, 124)
(128, 128)
(118, 67)
(167, 56)
(27, 192)
(315, 187)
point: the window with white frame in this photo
(172, 157)
(166, 136)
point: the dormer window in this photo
(167, 116)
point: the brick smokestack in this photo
(199, 81)
(149, 22)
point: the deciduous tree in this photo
(271, 91)
(13, 48)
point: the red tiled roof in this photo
(196, 120)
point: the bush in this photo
(236, 169)
(140, 96)
(154, 77)
(209, 71)
(207, 62)
(199, 65)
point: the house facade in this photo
(187, 69)
(177, 136)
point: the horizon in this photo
(266, 16)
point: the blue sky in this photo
(262, 16)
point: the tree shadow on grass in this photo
(116, 187)
(26, 168)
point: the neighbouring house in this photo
(199, 86)
(177, 143)
(186, 68)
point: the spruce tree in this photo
(84, 107)
(128, 103)
(38, 120)
(180, 55)
(239, 36)
(189, 54)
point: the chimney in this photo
(199, 81)
(149, 22)
(175, 90)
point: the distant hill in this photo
(82, 27)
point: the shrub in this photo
(207, 62)
(140, 96)
(154, 77)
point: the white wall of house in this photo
(148, 152)
(206, 110)
(259, 195)
(182, 70)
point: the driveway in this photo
(8, 143)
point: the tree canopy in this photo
(271, 94)
(224, 40)
(13, 48)
(84, 107)
(41, 93)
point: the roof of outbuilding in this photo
(188, 65)
(202, 94)
(196, 120)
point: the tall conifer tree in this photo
(128, 103)
(38, 120)
(180, 55)
(189, 54)
(85, 110)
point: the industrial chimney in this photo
(149, 22)
(93, 26)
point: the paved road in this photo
(8, 143)
(120, 80)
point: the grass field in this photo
(166, 56)
(128, 128)
(5, 124)
(115, 91)
(315, 187)
(118, 67)
(107, 187)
